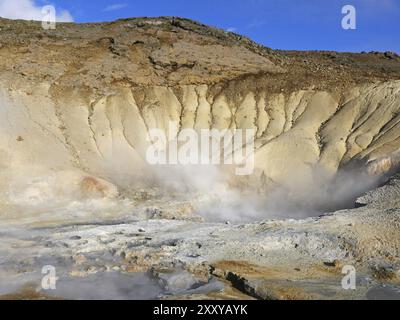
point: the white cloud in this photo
(115, 6)
(231, 29)
(28, 10)
(255, 23)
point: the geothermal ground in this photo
(76, 193)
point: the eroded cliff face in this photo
(78, 104)
(296, 133)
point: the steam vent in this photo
(77, 192)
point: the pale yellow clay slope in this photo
(107, 137)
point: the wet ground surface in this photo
(108, 285)
(384, 292)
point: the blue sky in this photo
(281, 24)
